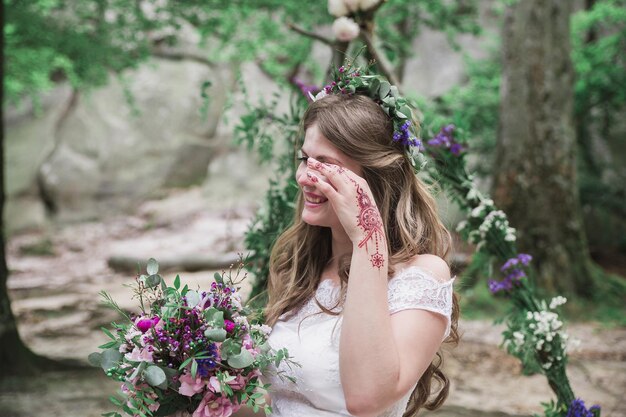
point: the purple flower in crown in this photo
(307, 89)
(404, 136)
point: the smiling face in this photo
(317, 210)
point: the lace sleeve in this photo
(416, 288)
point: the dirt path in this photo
(56, 301)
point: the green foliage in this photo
(598, 44)
(259, 129)
(474, 108)
(81, 41)
(401, 21)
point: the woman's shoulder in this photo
(431, 265)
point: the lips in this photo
(314, 198)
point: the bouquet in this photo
(187, 352)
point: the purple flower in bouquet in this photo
(445, 139)
(578, 409)
(514, 272)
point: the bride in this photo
(360, 292)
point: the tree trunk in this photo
(15, 357)
(535, 178)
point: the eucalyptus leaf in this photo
(265, 347)
(155, 376)
(95, 359)
(216, 335)
(218, 319)
(374, 86)
(138, 370)
(110, 358)
(406, 110)
(390, 101)
(241, 360)
(193, 298)
(394, 92)
(229, 348)
(384, 89)
(153, 267)
(177, 282)
(218, 278)
(153, 281)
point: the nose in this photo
(302, 178)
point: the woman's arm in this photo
(380, 356)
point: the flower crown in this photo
(348, 80)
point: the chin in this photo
(313, 219)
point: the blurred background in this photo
(158, 128)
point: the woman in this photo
(359, 291)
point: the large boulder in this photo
(111, 152)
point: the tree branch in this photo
(381, 61)
(310, 34)
(181, 56)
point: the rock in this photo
(108, 158)
(192, 263)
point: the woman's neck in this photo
(340, 245)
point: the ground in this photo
(56, 276)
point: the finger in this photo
(335, 174)
(325, 188)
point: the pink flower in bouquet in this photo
(213, 406)
(190, 386)
(229, 326)
(248, 343)
(214, 385)
(238, 383)
(144, 324)
(140, 355)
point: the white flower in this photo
(518, 338)
(337, 8)
(557, 301)
(461, 225)
(319, 95)
(367, 4)
(509, 238)
(472, 194)
(345, 29)
(476, 211)
(352, 5)
(241, 320)
(547, 365)
(266, 330)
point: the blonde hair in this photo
(358, 127)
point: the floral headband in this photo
(349, 80)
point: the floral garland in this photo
(352, 80)
(534, 333)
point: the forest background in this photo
(150, 128)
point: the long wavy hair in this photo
(358, 127)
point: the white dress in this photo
(315, 345)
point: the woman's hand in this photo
(352, 201)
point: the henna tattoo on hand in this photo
(369, 219)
